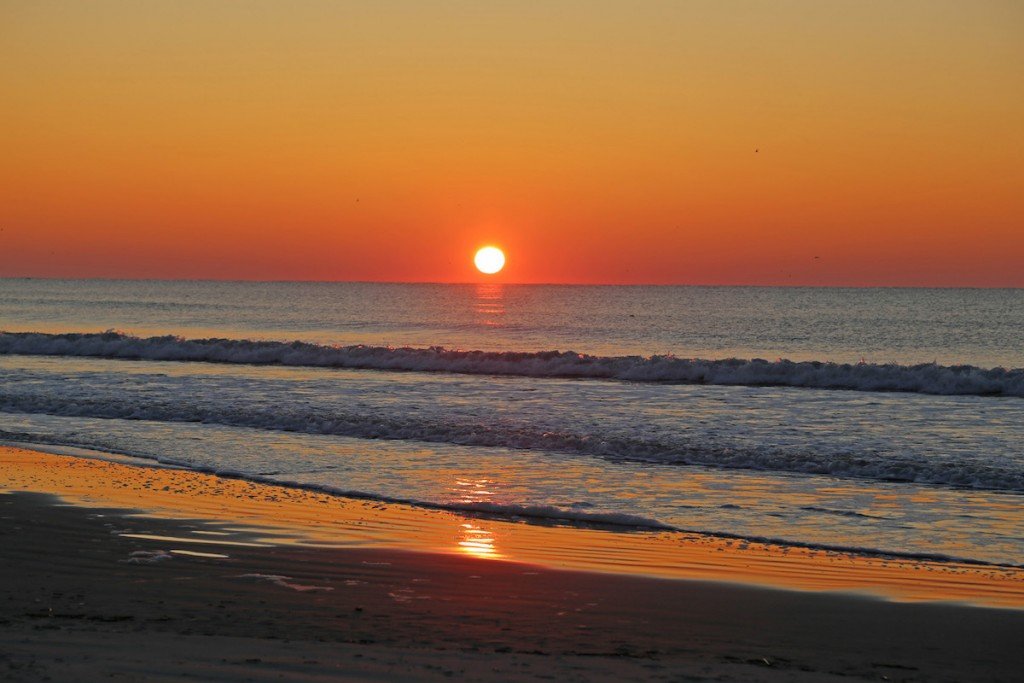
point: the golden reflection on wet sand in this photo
(281, 515)
(477, 541)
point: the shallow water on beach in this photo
(807, 453)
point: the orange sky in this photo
(594, 141)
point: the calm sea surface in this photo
(882, 419)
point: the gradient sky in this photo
(596, 142)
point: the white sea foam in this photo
(551, 512)
(286, 582)
(639, 447)
(148, 557)
(536, 513)
(927, 378)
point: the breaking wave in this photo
(664, 450)
(925, 378)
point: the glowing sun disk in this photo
(489, 260)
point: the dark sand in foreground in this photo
(88, 594)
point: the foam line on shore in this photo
(660, 449)
(535, 514)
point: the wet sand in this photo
(228, 580)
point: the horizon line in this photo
(511, 284)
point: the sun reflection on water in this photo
(472, 490)
(490, 305)
(472, 537)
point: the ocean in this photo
(878, 420)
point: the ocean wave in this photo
(661, 450)
(925, 378)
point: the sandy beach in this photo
(114, 570)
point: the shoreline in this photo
(282, 515)
(229, 580)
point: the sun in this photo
(489, 260)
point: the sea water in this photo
(883, 420)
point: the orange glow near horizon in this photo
(700, 142)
